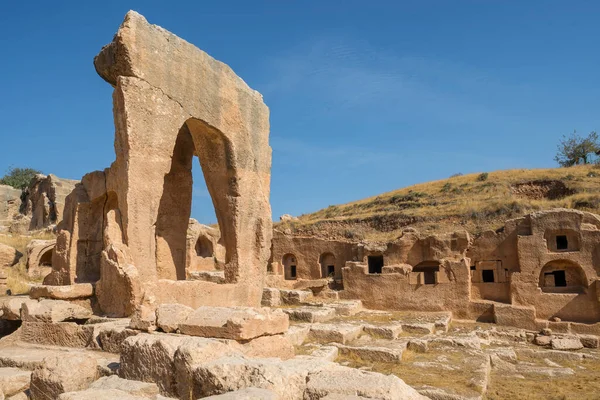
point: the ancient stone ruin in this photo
(139, 301)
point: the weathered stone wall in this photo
(312, 254)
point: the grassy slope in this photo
(450, 204)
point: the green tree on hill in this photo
(18, 178)
(575, 149)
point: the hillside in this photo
(475, 202)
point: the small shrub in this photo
(18, 178)
(456, 175)
(446, 188)
(591, 174)
(483, 177)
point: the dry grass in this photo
(18, 280)
(455, 380)
(459, 202)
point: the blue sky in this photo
(365, 97)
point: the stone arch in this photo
(290, 263)
(562, 276)
(327, 261)
(46, 258)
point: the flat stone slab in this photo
(13, 380)
(169, 316)
(207, 276)
(374, 353)
(65, 334)
(567, 343)
(346, 307)
(68, 292)
(10, 307)
(136, 388)
(390, 332)
(310, 314)
(294, 297)
(338, 333)
(101, 394)
(246, 394)
(353, 382)
(53, 311)
(238, 323)
(29, 357)
(424, 328)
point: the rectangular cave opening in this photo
(292, 271)
(330, 270)
(487, 276)
(560, 278)
(562, 243)
(375, 264)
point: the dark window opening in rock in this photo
(429, 277)
(429, 269)
(561, 242)
(330, 270)
(289, 266)
(204, 247)
(473, 268)
(375, 264)
(487, 276)
(46, 259)
(560, 278)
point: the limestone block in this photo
(100, 394)
(67, 292)
(542, 340)
(10, 307)
(246, 394)
(286, 378)
(279, 346)
(169, 316)
(238, 323)
(418, 345)
(294, 297)
(339, 333)
(53, 311)
(425, 328)
(310, 314)
(271, 297)
(520, 317)
(297, 334)
(65, 334)
(110, 337)
(167, 359)
(590, 341)
(347, 307)
(13, 380)
(353, 382)
(119, 288)
(136, 388)
(389, 332)
(144, 318)
(63, 374)
(9, 256)
(566, 343)
(327, 353)
(374, 353)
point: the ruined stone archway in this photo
(172, 101)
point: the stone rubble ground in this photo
(62, 352)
